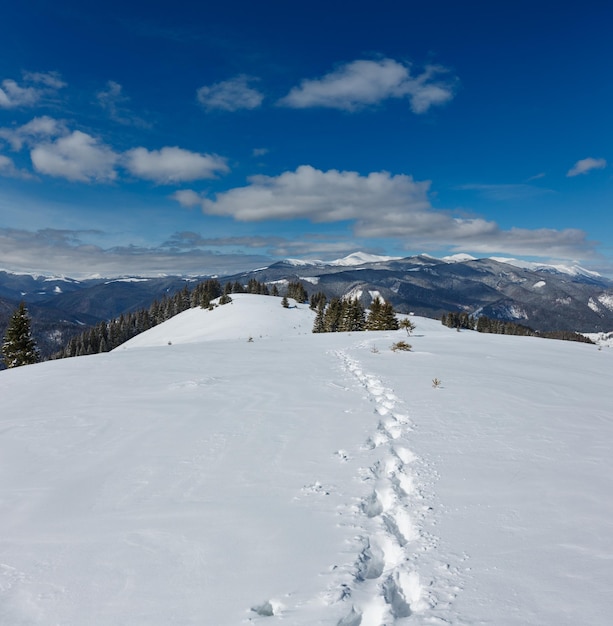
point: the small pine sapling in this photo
(407, 324)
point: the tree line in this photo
(483, 324)
(348, 315)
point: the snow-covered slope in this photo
(359, 258)
(308, 479)
(246, 316)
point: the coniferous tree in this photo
(374, 315)
(319, 325)
(19, 348)
(285, 302)
(315, 299)
(389, 321)
(381, 316)
(296, 291)
(333, 316)
(354, 318)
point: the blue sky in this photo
(190, 137)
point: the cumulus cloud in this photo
(173, 164)
(319, 196)
(34, 87)
(365, 82)
(12, 95)
(187, 198)
(36, 130)
(586, 165)
(231, 95)
(77, 157)
(381, 205)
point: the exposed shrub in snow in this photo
(402, 346)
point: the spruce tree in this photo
(19, 348)
(353, 316)
(381, 316)
(389, 321)
(373, 321)
(319, 325)
(333, 316)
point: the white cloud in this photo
(319, 196)
(230, 95)
(8, 169)
(12, 95)
(77, 157)
(381, 205)
(36, 130)
(173, 164)
(36, 86)
(187, 198)
(586, 165)
(363, 82)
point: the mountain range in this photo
(543, 297)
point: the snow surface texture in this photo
(308, 479)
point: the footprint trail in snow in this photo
(384, 585)
(384, 580)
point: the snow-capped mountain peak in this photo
(359, 258)
(560, 268)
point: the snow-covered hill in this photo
(247, 316)
(308, 479)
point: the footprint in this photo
(371, 506)
(371, 562)
(353, 618)
(394, 596)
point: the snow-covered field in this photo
(194, 477)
